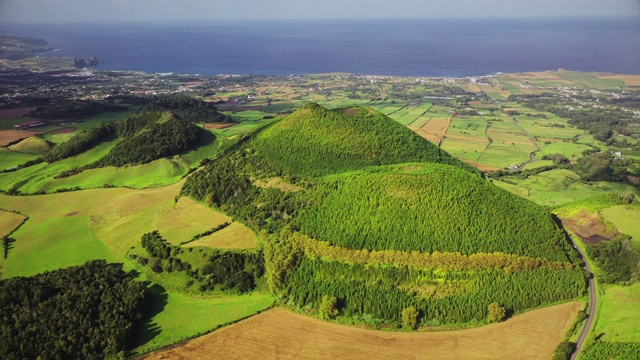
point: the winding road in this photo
(593, 297)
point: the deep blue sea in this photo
(381, 47)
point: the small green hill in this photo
(164, 134)
(427, 208)
(189, 109)
(314, 141)
(31, 145)
(145, 137)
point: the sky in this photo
(83, 11)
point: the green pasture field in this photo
(470, 150)
(508, 126)
(412, 113)
(241, 128)
(160, 172)
(619, 313)
(249, 115)
(507, 85)
(184, 316)
(589, 80)
(627, 219)
(58, 138)
(538, 163)
(278, 107)
(540, 130)
(518, 190)
(468, 126)
(560, 186)
(511, 138)
(34, 178)
(419, 122)
(571, 150)
(503, 155)
(9, 159)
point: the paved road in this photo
(592, 308)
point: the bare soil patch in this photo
(481, 167)
(73, 213)
(15, 113)
(280, 334)
(589, 228)
(434, 129)
(9, 136)
(218, 126)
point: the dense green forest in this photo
(82, 312)
(370, 219)
(81, 142)
(189, 109)
(427, 208)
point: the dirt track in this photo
(280, 334)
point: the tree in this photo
(328, 308)
(409, 318)
(496, 312)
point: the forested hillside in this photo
(189, 109)
(369, 220)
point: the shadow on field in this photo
(147, 329)
(207, 138)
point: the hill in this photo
(314, 141)
(164, 134)
(144, 137)
(364, 219)
(31, 145)
(189, 109)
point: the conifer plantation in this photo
(372, 221)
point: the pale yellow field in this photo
(434, 130)
(234, 236)
(188, 218)
(9, 221)
(281, 334)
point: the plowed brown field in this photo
(280, 334)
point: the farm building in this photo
(29, 124)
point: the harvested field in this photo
(218, 126)
(234, 236)
(9, 136)
(15, 113)
(188, 218)
(9, 221)
(434, 129)
(280, 334)
(481, 167)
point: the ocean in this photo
(430, 48)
